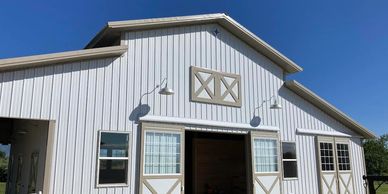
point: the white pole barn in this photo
(193, 104)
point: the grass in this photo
(383, 188)
(2, 188)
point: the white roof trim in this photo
(207, 123)
(324, 133)
(114, 28)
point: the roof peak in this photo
(112, 31)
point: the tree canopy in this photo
(376, 155)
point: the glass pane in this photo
(290, 169)
(289, 150)
(162, 153)
(343, 157)
(114, 144)
(265, 155)
(113, 171)
(327, 162)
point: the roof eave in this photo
(329, 109)
(62, 57)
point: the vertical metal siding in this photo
(84, 97)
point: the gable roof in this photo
(113, 30)
(62, 57)
(329, 109)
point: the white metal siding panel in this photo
(84, 97)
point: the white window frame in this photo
(128, 158)
(277, 159)
(290, 160)
(162, 130)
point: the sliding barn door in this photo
(336, 174)
(265, 163)
(162, 162)
(345, 175)
(327, 167)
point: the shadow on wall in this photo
(50, 70)
(140, 111)
(312, 111)
(255, 121)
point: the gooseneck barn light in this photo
(275, 104)
(166, 90)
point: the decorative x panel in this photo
(215, 87)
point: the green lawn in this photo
(2, 188)
(383, 189)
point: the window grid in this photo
(113, 157)
(162, 153)
(266, 156)
(343, 157)
(289, 160)
(327, 158)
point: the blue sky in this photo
(342, 45)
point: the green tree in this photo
(3, 166)
(376, 155)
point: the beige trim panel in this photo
(49, 156)
(62, 57)
(113, 28)
(211, 87)
(326, 107)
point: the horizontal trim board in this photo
(319, 132)
(62, 57)
(326, 107)
(208, 123)
(222, 19)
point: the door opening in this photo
(28, 142)
(215, 163)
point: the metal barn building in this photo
(194, 104)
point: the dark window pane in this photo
(343, 156)
(289, 150)
(113, 171)
(290, 169)
(114, 144)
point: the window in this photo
(266, 155)
(162, 153)
(327, 159)
(290, 167)
(343, 157)
(113, 158)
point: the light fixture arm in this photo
(275, 105)
(153, 90)
(265, 101)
